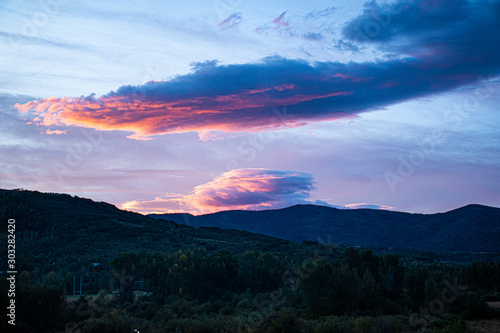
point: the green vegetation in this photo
(198, 291)
(212, 280)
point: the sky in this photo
(203, 106)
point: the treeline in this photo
(52, 226)
(201, 291)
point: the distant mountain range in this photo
(54, 224)
(471, 228)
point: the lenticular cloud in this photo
(236, 189)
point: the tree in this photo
(330, 290)
(69, 281)
(52, 281)
(431, 290)
(126, 267)
(369, 292)
(155, 270)
(24, 279)
(352, 257)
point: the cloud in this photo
(283, 28)
(315, 14)
(235, 189)
(54, 132)
(231, 21)
(280, 21)
(17, 39)
(434, 31)
(368, 206)
(434, 46)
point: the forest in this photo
(85, 266)
(198, 291)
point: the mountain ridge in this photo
(473, 227)
(336, 208)
(84, 227)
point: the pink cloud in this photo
(236, 189)
(146, 117)
(286, 86)
(54, 132)
(280, 21)
(231, 21)
(368, 206)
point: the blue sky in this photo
(209, 105)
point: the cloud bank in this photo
(433, 47)
(235, 189)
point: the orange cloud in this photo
(145, 117)
(235, 189)
(241, 97)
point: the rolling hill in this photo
(470, 228)
(53, 224)
(50, 225)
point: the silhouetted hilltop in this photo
(470, 228)
(54, 224)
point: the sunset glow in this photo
(382, 105)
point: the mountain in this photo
(471, 228)
(53, 225)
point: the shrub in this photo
(286, 322)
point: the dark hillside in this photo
(470, 228)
